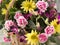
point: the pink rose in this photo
(42, 38)
(49, 30)
(7, 39)
(8, 24)
(22, 22)
(42, 6)
(0, 1)
(17, 15)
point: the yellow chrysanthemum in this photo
(3, 11)
(28, 5)
(54, 23)
(32, 38)
(58, 28)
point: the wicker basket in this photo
(15, 40)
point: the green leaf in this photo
(31, 24)
(52, 39)
(42, 23)
(57, 39)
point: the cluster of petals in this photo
(17, 15)
(43, 37)
(49, 30)
(42, 6)
(8, 24)
(6, 39)
(22, 22)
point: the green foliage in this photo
(31, 25)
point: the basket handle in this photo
(9, 7)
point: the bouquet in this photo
(32, 22)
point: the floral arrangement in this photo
(35, 21)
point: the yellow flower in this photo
(54, 23)
(4, 11)
(58, 28)
(28, 5)
(32, 38)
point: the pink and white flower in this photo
(8, 24)
(6, 39)
(22, 22)
(42, 6)
(49, 30)
(17, 15)
(43, 37)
